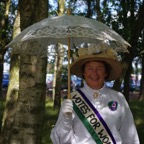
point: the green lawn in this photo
(50, 120)
(138, 113)
(51, 117)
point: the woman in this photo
(95, 114)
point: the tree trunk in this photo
(125, 65)
(32, 79)
(3, 38)
(12, 92)
(58, 64)
(55, 74)
(60, 57)
(127, 81)
(11, 100)
(89, 10)
(28, 123)
(141, 94)
(98, 10)
(1, 74)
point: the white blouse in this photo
(119, 121)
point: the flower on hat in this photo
(93, 49)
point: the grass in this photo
(51, 115)
(137, 108)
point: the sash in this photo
(91, 119)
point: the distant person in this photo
(95, 114)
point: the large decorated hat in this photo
(108, 56)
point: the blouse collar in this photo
(92, 91)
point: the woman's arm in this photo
(62, 133)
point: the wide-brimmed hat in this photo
(108, 56)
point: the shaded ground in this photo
(134, 95)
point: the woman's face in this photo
(94, 74)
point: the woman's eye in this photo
(90, 69)
(99, 69)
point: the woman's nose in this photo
(95, 71)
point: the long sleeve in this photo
(62, 132)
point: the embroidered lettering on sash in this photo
(93, 120)
(81, 104)
(97, 127)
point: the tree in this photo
(141, 95)
(4, 23)
(137, 25)
(27, 119)
(59, 56)
(57, 76)
(129, 23)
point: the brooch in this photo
(112, 105)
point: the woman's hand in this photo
(67, 108)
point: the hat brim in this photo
(115, 66)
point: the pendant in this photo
(95, 95)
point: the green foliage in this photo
(6, 22)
